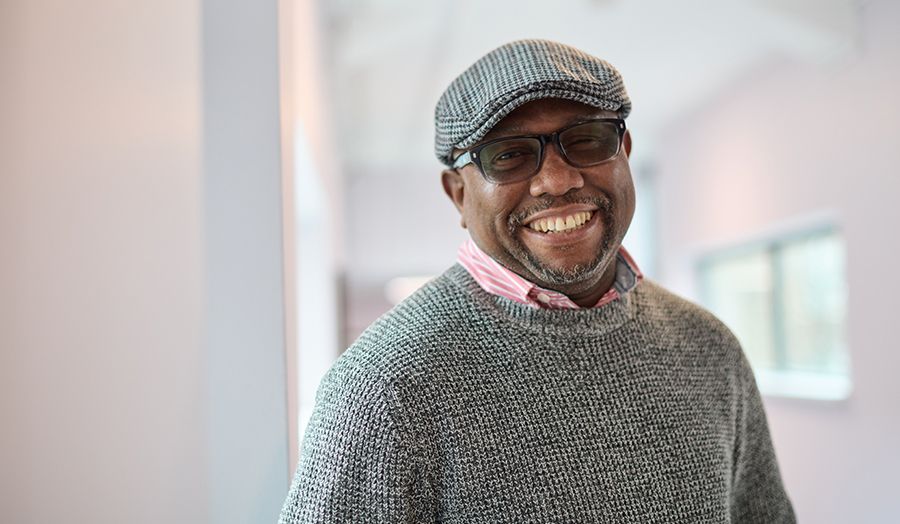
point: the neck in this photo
(590, 295)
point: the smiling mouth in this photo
(561, 224)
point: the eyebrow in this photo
(500, 129)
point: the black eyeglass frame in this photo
(472, 155)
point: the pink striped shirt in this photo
(497, 280)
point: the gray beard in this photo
(565, 277)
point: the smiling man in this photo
(541, 378)
(548, 195)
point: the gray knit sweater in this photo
(461, 406)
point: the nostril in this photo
(556, 179)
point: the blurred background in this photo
(203, 203)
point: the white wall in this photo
(142, 374)
(791, 141)
(314, 217)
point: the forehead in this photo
(545, 116)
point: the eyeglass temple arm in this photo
(462, 160)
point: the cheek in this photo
(481, 216)
(627, 190)
(486, 214)
(627, 196)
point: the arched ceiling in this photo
(389, 60)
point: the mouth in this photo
(562, 223)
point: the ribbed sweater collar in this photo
(559, 322)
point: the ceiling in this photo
(391, 59)
(388, 61)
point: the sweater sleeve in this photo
(356, 463)
(758, 494)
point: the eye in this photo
(590, 143)
(582, 142)
(508, 154)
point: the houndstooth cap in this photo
(514, 74)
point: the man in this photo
(540, 379)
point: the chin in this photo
(564, 277)
(586, 273)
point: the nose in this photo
(555, 177)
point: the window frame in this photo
(780, 380)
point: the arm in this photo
(357, 462)
(758, 494)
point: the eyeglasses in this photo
(513, 159)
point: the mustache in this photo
(602, 203)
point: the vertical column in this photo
(245, 324)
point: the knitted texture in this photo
(463, 407)
(514, 74)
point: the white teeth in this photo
(560, 224)
(539, 225)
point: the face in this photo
(594, 205)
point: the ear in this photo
(626, 143)
(455, 187)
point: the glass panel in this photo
(738, 289)
(814, 300)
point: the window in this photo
(786, 301)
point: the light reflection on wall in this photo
(317, 291)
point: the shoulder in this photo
(673, 312)
(379, 383)
(420, 332)
(682, 326)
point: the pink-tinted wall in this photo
(142, 339)
(101, 364)
(789, 142)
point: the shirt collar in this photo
(498, 280)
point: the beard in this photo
(553, 277)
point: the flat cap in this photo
(513, 75)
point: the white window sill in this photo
(795, 384)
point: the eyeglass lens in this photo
(519, 158)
